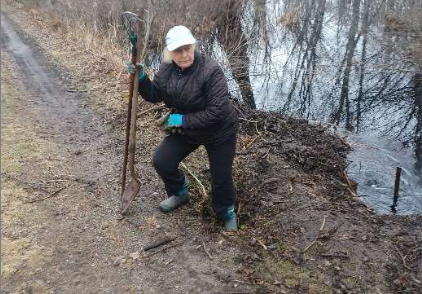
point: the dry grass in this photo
(104, 18)
(107, 45)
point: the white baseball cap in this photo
(179, 36)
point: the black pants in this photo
(174, 148)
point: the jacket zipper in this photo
(179, 78)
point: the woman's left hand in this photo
(175, 120)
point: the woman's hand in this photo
(131, 68)
(175, 120)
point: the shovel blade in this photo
(129, 195)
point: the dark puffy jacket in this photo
(200, 93)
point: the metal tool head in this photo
(129, 195)
(130, 16)
(130, 20)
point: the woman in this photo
(196, 88)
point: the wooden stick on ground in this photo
(49, 196)
(347, 179)
(262, 244)
(159, 242)
(163, 249)
(316, 238)
(402, 257)
(251, 142)
(150, 109)
(206, 250)
(204, 191)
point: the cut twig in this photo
(251, 142)
(350, 185)
(204, 191)
(206, 250)
(262, 244)
(170, 261)
(267, 154)
(252, 121)
(150, 109)
(316, 238)
(322, 225)
(351, 192)
(240, 282)
(163, 249)
(402, 258)
(290, 187)
(347, 179)
(309, 246)
(76, 90)
(329, 233)
(158, 243)
(55, 193)
(344, 141)
(239, 207)
(269, 181)
(335, 255)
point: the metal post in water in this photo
(396, 189)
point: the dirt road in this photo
(60, 181)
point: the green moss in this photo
(291, 275)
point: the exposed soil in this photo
(63, 116)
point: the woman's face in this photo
(183, 56)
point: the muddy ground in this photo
(63, 115)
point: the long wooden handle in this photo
(134, 106)
(128, 123)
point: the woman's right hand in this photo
(131, 68)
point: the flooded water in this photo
(349, 63)
(352, 64)
(374, 161)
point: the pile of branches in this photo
(310, 148)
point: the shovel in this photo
(129, 192)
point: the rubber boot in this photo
(230, 221)
(179, 199)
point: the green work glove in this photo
(131, 68)
(175, 120)
(133, 38)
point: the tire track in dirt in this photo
(83, 247)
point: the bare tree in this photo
(209, 20)
(231, 36)
(344, 104)
(364, 33)
(418, 115)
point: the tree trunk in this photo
(364, 32)
(350, 50)
(418, 130)
(235, 44)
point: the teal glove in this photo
(131, 68)
(133, 38)
(175, 120)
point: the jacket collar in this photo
(196, 61)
